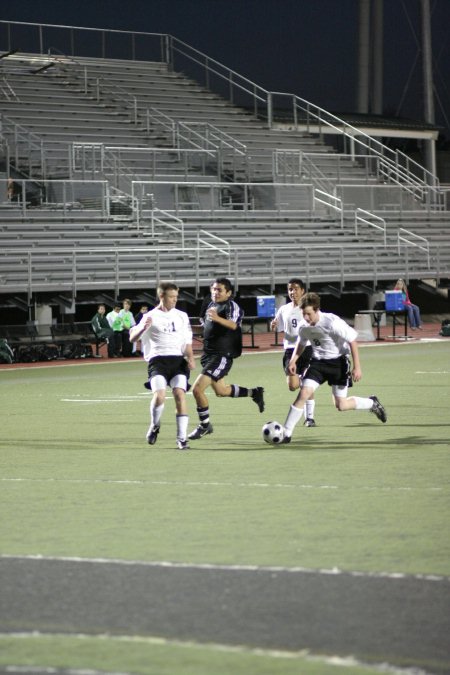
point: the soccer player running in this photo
(222, 342)
(289, 318)
(166, 341)
(332, 340)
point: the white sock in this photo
(156, 412)
(362, 403)
(309, 409)
(293, 418)
(182, 426)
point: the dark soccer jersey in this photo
(218, 339)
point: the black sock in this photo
(239, 392)
(203, 416)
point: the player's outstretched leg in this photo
(237, 391)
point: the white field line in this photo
(304, 654)
(227, 484)
(334, 571)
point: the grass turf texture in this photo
(147, 657)
(352, 493)
(78, 478)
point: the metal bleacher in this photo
(131, 171)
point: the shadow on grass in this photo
(313, 445)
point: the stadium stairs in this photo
(138, 105)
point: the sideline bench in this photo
(51, 342)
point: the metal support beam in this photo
(428, 92)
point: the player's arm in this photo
(275, 321)
(189, 354)
(298, 351)
(188, 349)
(356, 369)
(137, 331)
(228, 323)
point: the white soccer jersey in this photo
(290, 318)
(168, 335)
(329, 338)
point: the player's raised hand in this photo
(212, 314)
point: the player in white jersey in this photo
(166, 341)
(288, 320)
(332, 341)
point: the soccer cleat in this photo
(182, 445)
(258, 398)
(286, 439)
(200, 431)
(152, 435)
(378, 409)
(309, 422)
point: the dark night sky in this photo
(306, 47)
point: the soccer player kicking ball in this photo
(288, 319)
(332, 340)
(222, 342)
(166, 341)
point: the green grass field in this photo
(78, 479)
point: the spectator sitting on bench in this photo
(13, 190)
(412, 310)
(103, 330)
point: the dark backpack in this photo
(445, 328)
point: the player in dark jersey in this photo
(222, 342)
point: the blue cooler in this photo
(265, 306)
(393, 301)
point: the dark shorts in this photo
(302, 362)
(333, 371)
(168, 367)
(216, 366)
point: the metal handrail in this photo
(33, 269)
(315, 116)
(425, 246)
(331, 201)
(360, 219)
(171, 47)
(204, 237)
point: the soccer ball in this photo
(273, 433)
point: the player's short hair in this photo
(296, 280)
(223, 281)
(310, 300)
(165, 286)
